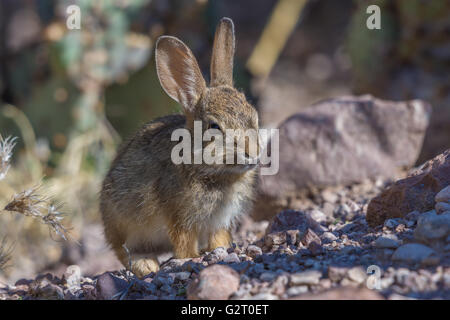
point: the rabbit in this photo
(148, 204)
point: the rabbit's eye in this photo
(214, 125)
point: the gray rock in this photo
(182, 276)
(275, 238)
(329, 236)
(344, 211)
(163, 279)
(442, 207)
(315, 248)
(401, 275)
(391, 223)
(432, 227)
(257, 268)
(348, 250)
(309, 277)
(413, 253)
(384, 254)
(297, 290)
(410, 223)
(396, 296)
(347, 128)
(329, 196)
(51, 291)
(44, 288)
(242, 293)
(292, 220)
(309, 263)
(317, 215)
(337, 273)
(413, 216)
(232, 258)
(443, 195)
(447, 279)
(108, 286)
(218, 254)
(292, 237)
(357, 274)
(386, 282)
(254, 251)
(309, 237)
(347, 228)
(386, 243)
(279, 284)
(264, 296)
(174, 265)
(267, 276)
(89, 291)
(146, 285)
(328, 209)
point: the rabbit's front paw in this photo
(143, 267)
(185, 242)
(220, 238)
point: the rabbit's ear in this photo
(178, 72)
(223, 54)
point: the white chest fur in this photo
(225, 216)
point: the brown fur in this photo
(220, 238)
(151, 205)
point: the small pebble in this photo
(295, 291)
(306, 277)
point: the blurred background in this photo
(71, 96)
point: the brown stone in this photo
(216, 282)
(337, 273)
(309, 237)
(416, 192)
(292, 237)
(275, 238)
(108, 286)
(315, 248)
(292, 220)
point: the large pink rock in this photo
(343, 141)
(216, 282)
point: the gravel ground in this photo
(324, 251)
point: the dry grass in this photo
(30, 205)
(6, 147)
(5, 254)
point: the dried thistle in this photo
(6, 147)
(30, 203)
(53, 220)
(5, 254)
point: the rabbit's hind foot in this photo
(141, 267)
